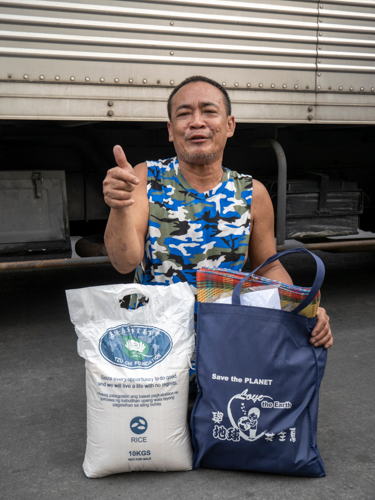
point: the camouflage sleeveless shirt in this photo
(189, 230)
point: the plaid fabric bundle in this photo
(212, 282)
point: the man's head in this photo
(200, 121)
(191, 79)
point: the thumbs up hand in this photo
(120, 182)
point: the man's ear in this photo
(231, 126)
(170, 133)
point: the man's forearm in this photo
(123, 244)
(276, 272)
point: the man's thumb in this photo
(121, 158)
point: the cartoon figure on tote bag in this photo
(249, 421)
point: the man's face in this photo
(199, 125)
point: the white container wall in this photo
(282, 61)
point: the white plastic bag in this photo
(137, 376)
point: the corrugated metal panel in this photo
(265, 43)
(273, 47)
(346, 46)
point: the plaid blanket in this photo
(212, 282)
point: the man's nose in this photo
(197, 119)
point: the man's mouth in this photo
(197, 138)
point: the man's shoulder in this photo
(242, 182)
(261, 195)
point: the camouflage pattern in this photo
(188, 229)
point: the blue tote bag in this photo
(258, 386)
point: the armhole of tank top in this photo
(150, 175)
(251, 199)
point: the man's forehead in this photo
(201, 92)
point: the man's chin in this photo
(200, 159)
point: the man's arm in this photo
(262, 245)
(262, 240)
(125, 192)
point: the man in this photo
(179, 214)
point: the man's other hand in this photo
(322, 335)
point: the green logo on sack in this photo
(135, 349)
(135, 346)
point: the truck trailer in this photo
(76, 78)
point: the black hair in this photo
(200, 79)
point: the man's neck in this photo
(202, 177)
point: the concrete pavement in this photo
(43, 402)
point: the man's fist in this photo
(120, 182)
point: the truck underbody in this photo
(78, 78)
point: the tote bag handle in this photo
(319, 277)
